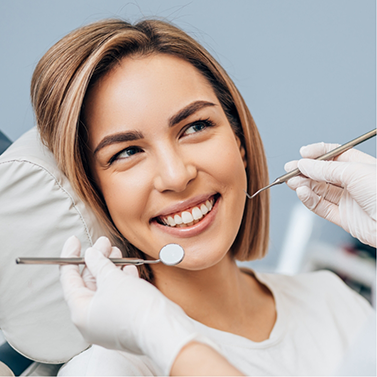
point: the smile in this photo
(189, 216)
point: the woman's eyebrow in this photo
(188, 110)
(118, 138)
(136, 135)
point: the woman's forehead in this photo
(145, 89)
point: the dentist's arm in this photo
(342, 191)
(118, 310)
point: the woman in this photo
(154, 135)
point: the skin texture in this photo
(171, 167)
(197, 359)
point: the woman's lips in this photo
(195, 227)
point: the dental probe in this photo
(170, 255)
(327, 156)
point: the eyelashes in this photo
(197, 126)
(190, 129)
(129, 151)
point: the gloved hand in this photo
(116, 309)
(342, 191)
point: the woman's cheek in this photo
(124, 197)
(226, 165)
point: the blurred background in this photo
(305, 68)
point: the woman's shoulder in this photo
(99, 361)
(312, 281)
(317, 288)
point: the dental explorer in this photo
(327, 156)
(170, 255)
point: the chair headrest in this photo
(38, 211)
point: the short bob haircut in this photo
(69, 68)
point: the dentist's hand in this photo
(342, 191)
(116, 309)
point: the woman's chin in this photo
(201, 262)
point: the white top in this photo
(318, 317)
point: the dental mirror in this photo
(170, 255)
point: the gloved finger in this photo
(131, 270)
(298, 181)
(69, 274)
(115, 253)
(71, 248)
(318, 205)
(99, 265)
(352, 155)
(326, 191)
(329, 192)
(104, 246)
(291, 165)
(89, 280)
(327, 171)
(323, 189)
(317, 149)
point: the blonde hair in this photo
(61, 81)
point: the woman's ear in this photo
(242, 151)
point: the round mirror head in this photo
(171, 254)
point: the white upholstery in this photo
(38, 212)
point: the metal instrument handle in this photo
(63, 261)
(333, 153)
(327, 156)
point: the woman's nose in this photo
(173, 171)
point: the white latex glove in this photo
(342, 191)
(116, 309)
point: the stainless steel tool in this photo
(327, 156)
(170, 255)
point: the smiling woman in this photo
(155, 137)
(124, 83)
(185, 154)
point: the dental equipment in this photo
(170, 255)
(327, 156)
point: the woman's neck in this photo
(221, 296)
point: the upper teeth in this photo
(187, 217)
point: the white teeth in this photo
(196, 213)
(209, 205)
(204, 209)
(178, 220)
(187, 217)
(171, 221)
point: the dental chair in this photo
(38, 211)
(4, 142)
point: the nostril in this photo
(175, 176)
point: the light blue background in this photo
(305, 68)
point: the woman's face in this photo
(166, 159)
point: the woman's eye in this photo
(126, 153)
(198, 126)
